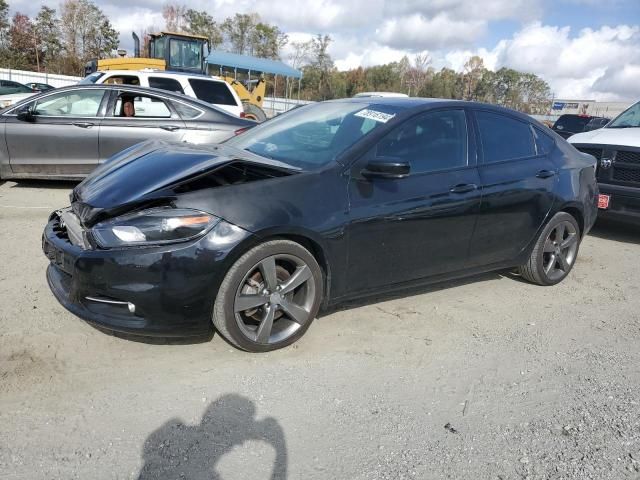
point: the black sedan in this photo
(67, 132)
(329, 202)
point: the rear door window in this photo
(212, 91)
(144, 106)
(503, 137)
(163, 83)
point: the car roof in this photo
(421, 103)
(153, 71)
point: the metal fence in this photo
(24, 76)
(273, 106)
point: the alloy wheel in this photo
(560, 250)
(274, 299)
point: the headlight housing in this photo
(154, 226)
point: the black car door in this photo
(420, 225)
(517, 181)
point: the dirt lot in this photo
(489, 378)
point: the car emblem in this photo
(608, 157)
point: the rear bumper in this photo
(624, 204)
(172, 287)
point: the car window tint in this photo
(185, 111)
(170, 84)
(144, 106)
(429, 142)
(544, 142)
(212, 91)
(75, 103)
(503, 137)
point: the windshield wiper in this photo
(624, 126)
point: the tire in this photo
(269, 297)
(554, 252)
(254, 112)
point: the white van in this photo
(213, 90)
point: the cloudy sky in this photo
(585, 49)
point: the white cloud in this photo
(417, 32)
(469, 9)
(573, 65)
(619, 83)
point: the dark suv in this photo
(570, 124)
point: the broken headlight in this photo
(153, 227)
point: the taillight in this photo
(240, 130)
(243, 115)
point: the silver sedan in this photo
(67, 132)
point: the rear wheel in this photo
(269, 297)
(555, 251)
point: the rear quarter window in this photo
(212, 91)
(544, 142)
(185, 111)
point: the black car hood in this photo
(145, 174)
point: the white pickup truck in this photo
(617, 149)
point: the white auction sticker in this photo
(375, 115)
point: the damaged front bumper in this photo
(165, 290)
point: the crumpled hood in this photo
(143, 174)
(629, 137)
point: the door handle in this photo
(83, 124)
(170, 128)
(463, 188)
(545, 174)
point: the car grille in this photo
(628, 157)
(596, 152)
(625, 168)
(628, 175)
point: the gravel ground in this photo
(486, 378)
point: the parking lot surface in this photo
(488, 377)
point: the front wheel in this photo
(555, 251)
(269, 297)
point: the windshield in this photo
(313, 136)
(93, 78)
(185, 53)
(627, 119)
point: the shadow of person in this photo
(176, 450)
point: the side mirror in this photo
(386, 167)
(26, 115)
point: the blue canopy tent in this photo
(248, 64)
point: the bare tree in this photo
(174, 17)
